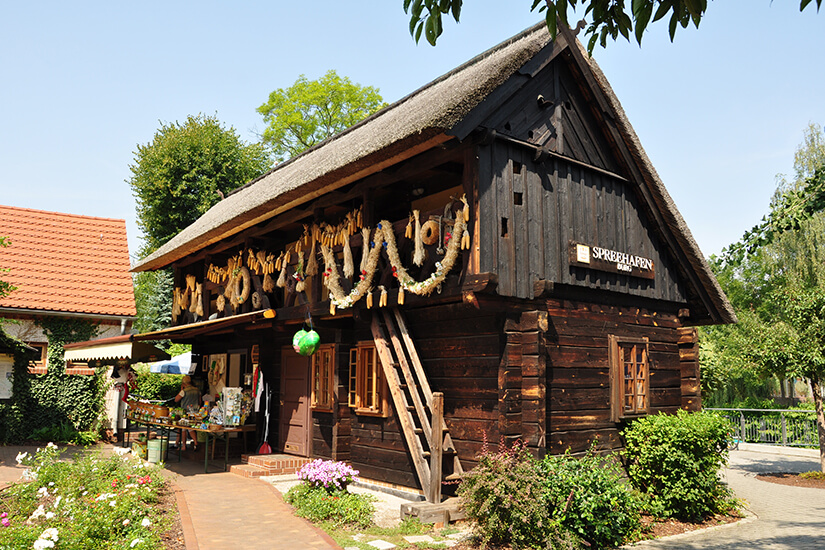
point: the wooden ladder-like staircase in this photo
(420, 412)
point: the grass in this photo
(359, 538)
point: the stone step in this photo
(274, 464)
(245, 470)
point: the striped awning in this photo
(109, 350)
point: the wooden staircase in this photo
(420, 412)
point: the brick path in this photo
(787, 518)
(221, 511)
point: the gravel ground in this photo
(387, 507)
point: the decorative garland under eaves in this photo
(384, 237)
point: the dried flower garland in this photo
(384, 237)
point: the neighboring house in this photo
(498, 236)
(64, 265)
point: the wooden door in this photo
(295, 416)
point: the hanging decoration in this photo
(384, 238)
(420, 254)
(321, 239)
(306, 341)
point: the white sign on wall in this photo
(6, 374)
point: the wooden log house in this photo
(498, 236)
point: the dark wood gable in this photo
(549, 176)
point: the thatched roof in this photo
(421, 117)
(407, 127)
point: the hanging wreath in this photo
(384, 237)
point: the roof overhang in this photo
(113, 350)
(185, 332)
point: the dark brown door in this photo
(295, 414)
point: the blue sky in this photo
(720, 112)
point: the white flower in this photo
(51, 445)
(146, 522)
(113, 503)
(42, 492)
(51, 484)
(135, 543)
(57, 501)
(50, 533)
(122, 451)
(49, 515)
(37, 513)
(42, 544)
(126, 522)
(85, 493)
(22, 456)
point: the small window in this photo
(323, 379)
(39, 365)
(630, 377)
(367, 388)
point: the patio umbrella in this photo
(180, 364)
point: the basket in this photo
(215, 427)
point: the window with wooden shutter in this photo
(630, 377)
(323, 378)
(367, 388)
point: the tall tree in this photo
(184, 170)
(177, 177)
(310, 111)
(606, 18)
(5, 287)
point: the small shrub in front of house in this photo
(322, 497)
(590, 497)
(507, 496)
(675, 460)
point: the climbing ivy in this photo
(55, 398)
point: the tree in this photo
(310, 111)
(5, 287)
(775, 279)
(177, 177)
(607, 18)
(185, 170)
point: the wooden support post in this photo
(436, 449)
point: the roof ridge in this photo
(60, 214)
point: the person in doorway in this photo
(189, 399)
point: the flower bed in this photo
(90, 502)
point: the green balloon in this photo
(309, 343)
(296, 340)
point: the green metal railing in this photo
(788, 428)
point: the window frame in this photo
(41, 366)
(618, 381)
(368, 393)
(322, 378)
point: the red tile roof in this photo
(67, 263)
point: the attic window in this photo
(517, 199)
(517, 166)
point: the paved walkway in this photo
(785, 517)
(221, 511)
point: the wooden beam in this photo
(434, 494)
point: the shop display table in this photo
(215, 434)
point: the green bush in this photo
(156, 386)
(334, 507)
(507, 496)
(675, 460)
(589, 496)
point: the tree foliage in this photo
(310, 111)
(178, 175)
(5, 287)
(775, 279)
(605, 18)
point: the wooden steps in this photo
(268, 465)
(419, 410)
